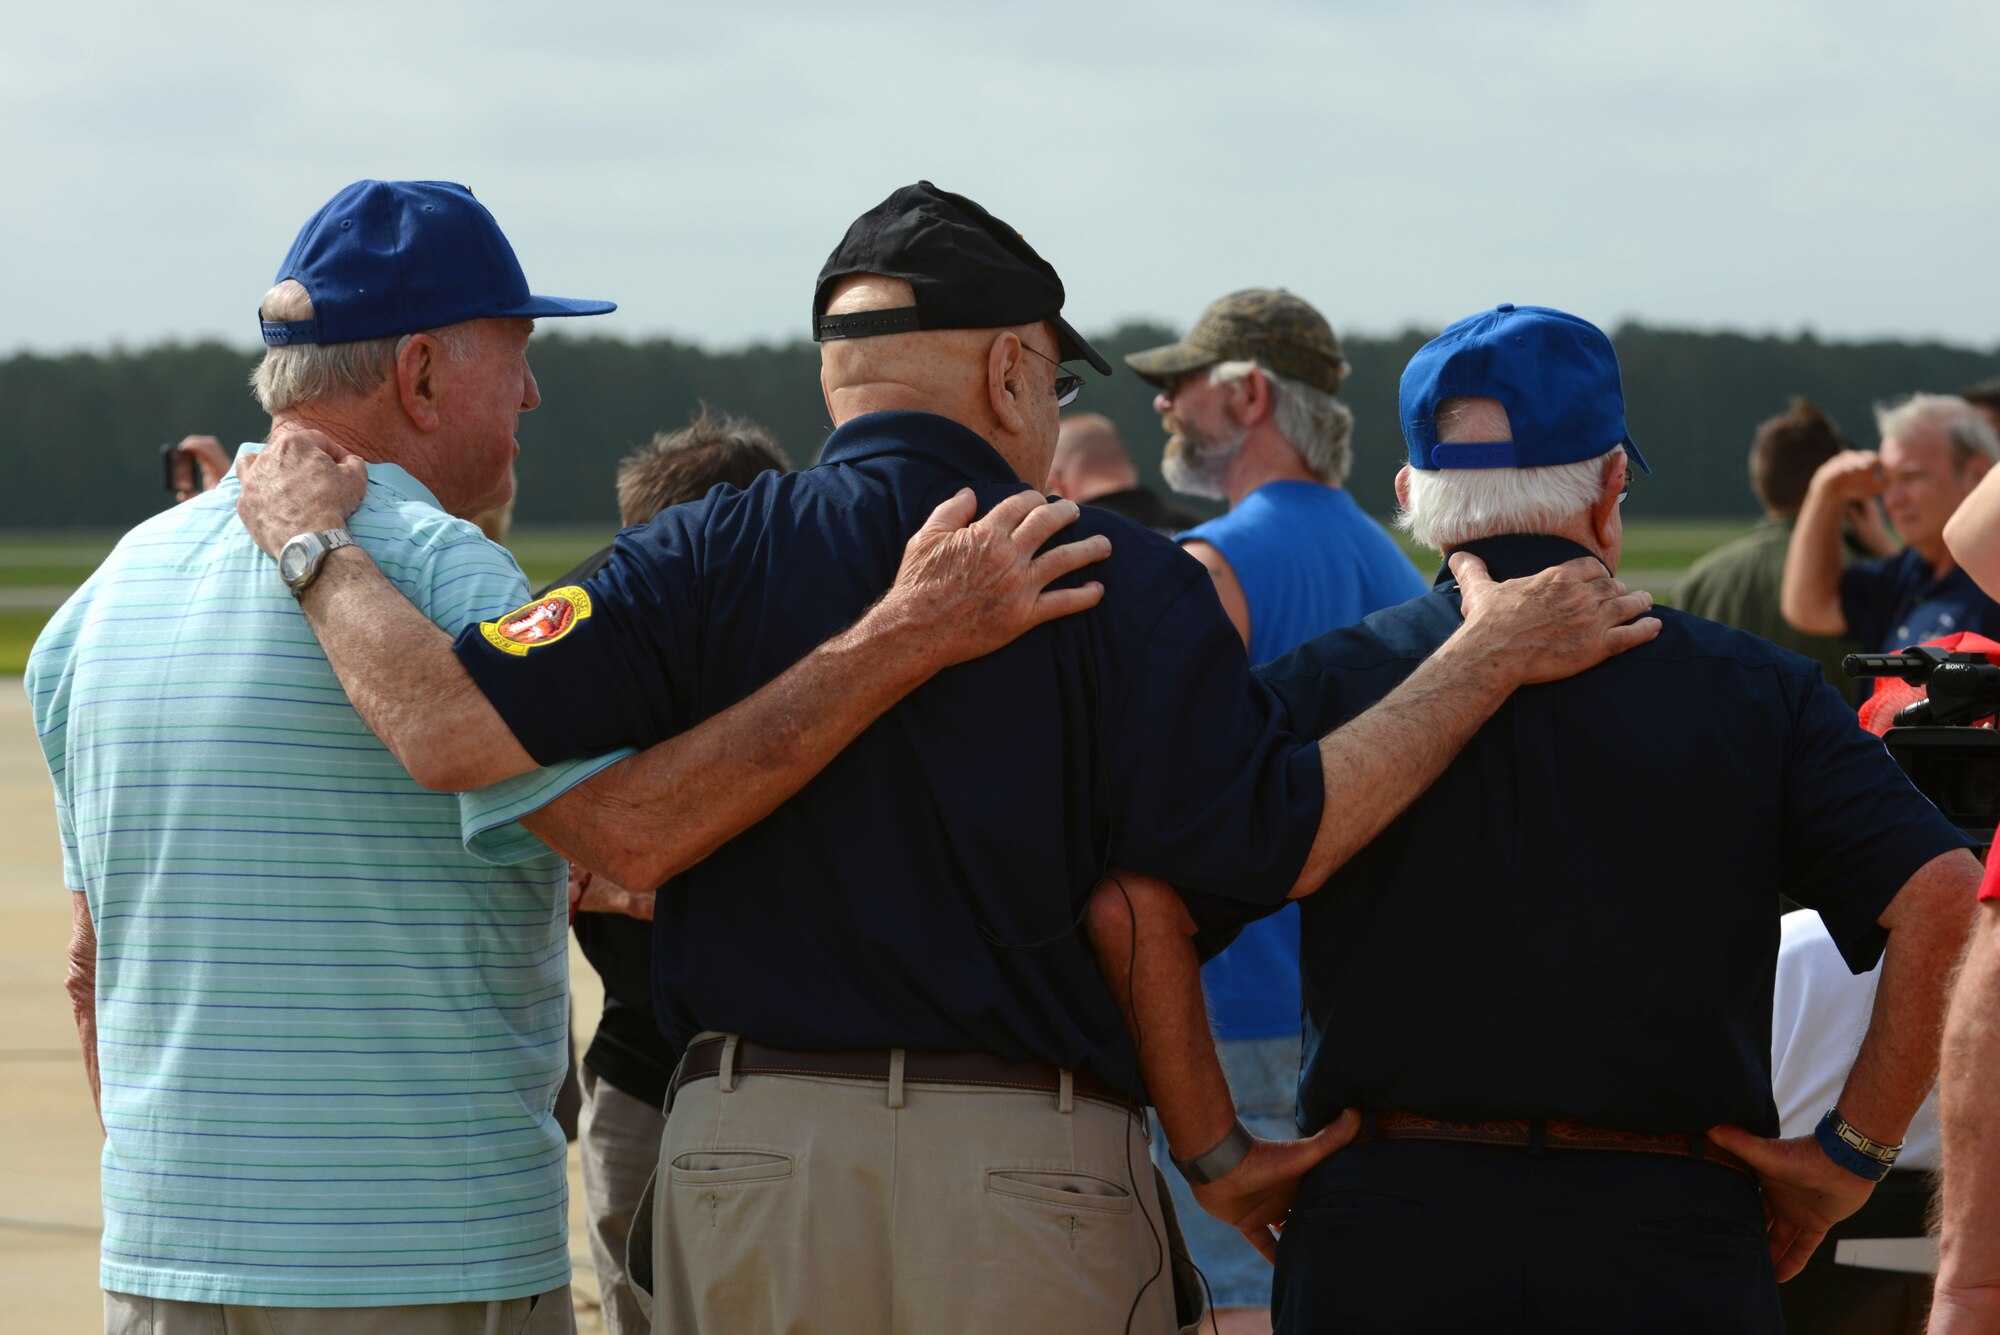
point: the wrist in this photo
(896, 645)
(1852, 1150)
(1220, 1159)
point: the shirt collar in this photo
(1514, 555)
(939, 439)
(393, 476)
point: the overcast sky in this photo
(1746, 164)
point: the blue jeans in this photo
(1264, 1078)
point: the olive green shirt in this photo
(1738, 584)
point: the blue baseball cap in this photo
(395, 257)
(1555, 374)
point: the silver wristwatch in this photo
(1218, 1159)
(300, 559)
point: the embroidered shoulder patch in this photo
(544, 621)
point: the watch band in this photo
(1848, 1147)
(321, 542)
(1220, 1158)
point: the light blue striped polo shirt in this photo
(332, 1007)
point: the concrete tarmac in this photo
(49, 1138)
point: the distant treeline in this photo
(79, 434)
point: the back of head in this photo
(1963, 427)
(679, 466)
(1787, 451)
(1512, 417)
(1090, 459)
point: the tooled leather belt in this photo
(1538, 1134)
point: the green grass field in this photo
(38, 570)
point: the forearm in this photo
(1378, 763)
(658, 813)
(1145, 950)
(1969, 1098)
(401, 675)
(1898, 1061)
(1809, 598)
(82, 987)
(1973, 534)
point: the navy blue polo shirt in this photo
(1578, 918)
(926, 889)
(1898, 601)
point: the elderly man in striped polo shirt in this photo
(327, 1005)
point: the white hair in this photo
(1961, 423)
(1449, 507)
(301, 373)
(1314, 422)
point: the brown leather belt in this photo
(981, 1070)
(1538, 1134)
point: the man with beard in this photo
(1249, 402)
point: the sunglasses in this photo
(1625, 487)
(1067, 386)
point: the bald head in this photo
(1090, 459)
(987, 380)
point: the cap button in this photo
(1504, 306)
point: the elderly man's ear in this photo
(1006, 381)
(1604, 513)
(417, 366)
(1250, 400)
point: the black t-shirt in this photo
(926, 890)
(1576, 920)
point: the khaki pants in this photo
(618, 1144)
(544, 1314)
(794, 1203)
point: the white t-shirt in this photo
(1819, 1014)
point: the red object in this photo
(1879, 710)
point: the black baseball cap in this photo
(968, 270)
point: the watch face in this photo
(295, 560)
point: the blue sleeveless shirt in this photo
(1309, 562)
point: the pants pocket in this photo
(1060, 1189)
(712, 1168)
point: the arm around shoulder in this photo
(1973, 534)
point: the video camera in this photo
(1953, 763)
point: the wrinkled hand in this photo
(1851, 475)
(1554, 624)
(591, 893)
(1805, 1193)
(209, 458)
(972, 587)
(1256, 1195)
(301, 481)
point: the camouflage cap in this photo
(1263, 324)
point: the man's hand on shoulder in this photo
(1805, 1193)
(301, 482)
(1551, 625)
(1255, 1196)
(968, 587)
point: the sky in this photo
(1759, 165)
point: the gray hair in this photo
(1315, 423)
(301, 373)
(1449, 507)
(1961, 423)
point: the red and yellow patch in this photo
(542, 622)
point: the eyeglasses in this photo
(1067, 386)
(1625, 487)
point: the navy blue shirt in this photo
(1897, 601)
(925, 890)
(1578, 918)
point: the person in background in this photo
(1092, 468)
(1249, 401)
(1739, 583)
(1985, 396)
(209, 464)
(628, 1063)
(1934, 451)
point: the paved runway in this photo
(49, 1139)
